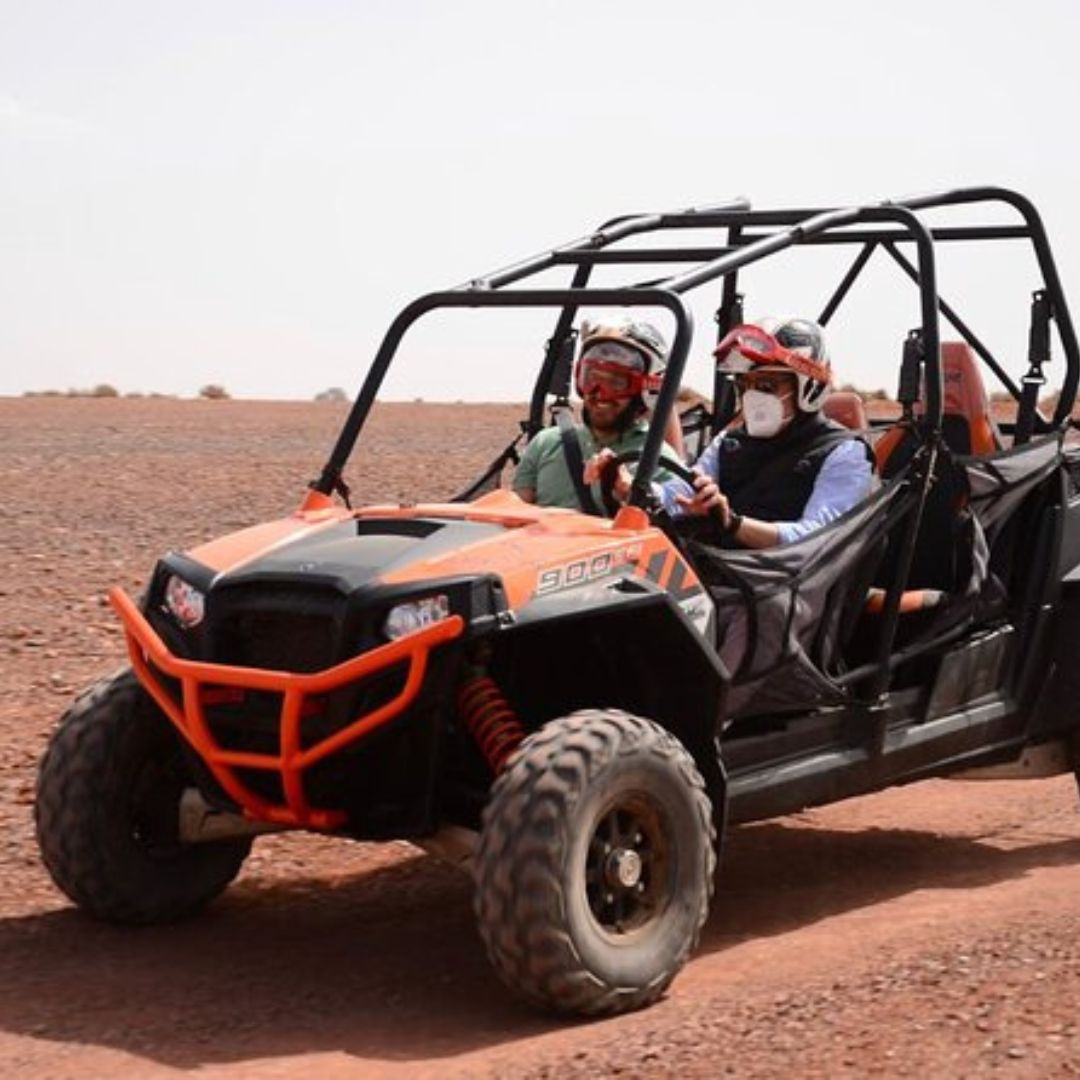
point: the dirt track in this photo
(925, 931)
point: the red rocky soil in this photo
(926, 931)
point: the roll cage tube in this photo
(809, 226)
(528, 298)
(1037, 233)
(832, 219)
(610, 232)
(553, 355)
(1032, 230)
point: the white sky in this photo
(246, 192)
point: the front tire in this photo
(107, 812)
(595, 864)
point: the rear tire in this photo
(595, 864)
(107, 812)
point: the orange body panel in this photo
(911, 600)
(539, 550)
(188, 715)
(537, 540)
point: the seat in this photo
(967, 423)
(845, 407)
(942, 565)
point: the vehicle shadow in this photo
(775, 877)
(387, 965)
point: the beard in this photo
(622, 421)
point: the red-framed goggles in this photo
(611, 372)
(747, 346)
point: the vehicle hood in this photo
(525, 546)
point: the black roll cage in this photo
(751, 236)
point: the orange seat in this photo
(845, 407)
(967, 423)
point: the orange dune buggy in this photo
(538, 693)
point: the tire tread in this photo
(520, 904)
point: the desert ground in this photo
(927, 931)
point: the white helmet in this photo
(635, 350)
(794, 346)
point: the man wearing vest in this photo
(618, 373)
(786, 470)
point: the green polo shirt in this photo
(543, 465)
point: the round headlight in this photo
(185, 603)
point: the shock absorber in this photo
(490, 720)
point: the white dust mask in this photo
(763, 413)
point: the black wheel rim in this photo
(627, 866)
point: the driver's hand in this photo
(598, 464)
(707, 498)
(595, 466)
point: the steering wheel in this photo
(683, 472)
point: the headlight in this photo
(415, 615)
(184, 602)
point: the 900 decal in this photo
(582, 571)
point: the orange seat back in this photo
(845, 407)
(968, 424)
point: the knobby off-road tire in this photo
(107, 812)
(595, 865)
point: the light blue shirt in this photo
(845, 479)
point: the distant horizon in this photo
(876, 394)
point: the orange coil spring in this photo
(490, 720)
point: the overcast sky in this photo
(246, 192)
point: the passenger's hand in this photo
(707, 498)
(598, 464)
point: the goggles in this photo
(611, 372)
(747, 346)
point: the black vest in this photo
(772, 479)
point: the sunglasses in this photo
(776, 385)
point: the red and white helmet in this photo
(795, 346)
(623, 359)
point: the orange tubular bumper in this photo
(144, 645)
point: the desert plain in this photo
(929, 931)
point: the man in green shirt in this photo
(618, 373)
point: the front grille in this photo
(250, 721)
(276, 641)
(275, 626)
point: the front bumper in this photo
(149, 655)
